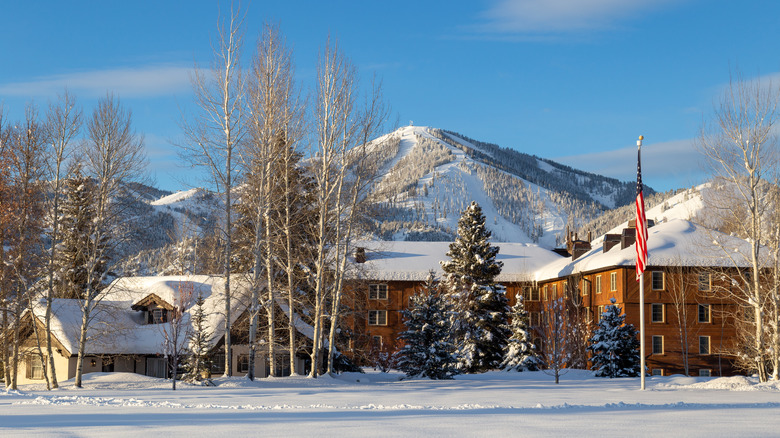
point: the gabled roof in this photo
(676, 242)
(150, 300)
(118, 329)
(411, 261)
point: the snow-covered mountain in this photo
(428, 176)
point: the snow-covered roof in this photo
(411, 261)
(676, 242)
(117, 329)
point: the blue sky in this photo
(575, 81)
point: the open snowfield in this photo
(376, 404)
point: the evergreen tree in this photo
(78, 214)
(614, 345)
(198, 362)
(427, 350)
(479, 305)
(520, 352)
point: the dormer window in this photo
(157, 316)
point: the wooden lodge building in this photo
(687, 316)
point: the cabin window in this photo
(243, 363)
(600, 309)
(218, 363)
(704, 281)
(705, 373)
(658, 280)
(157, 316)
(534, 294)
(658, 344)
(704, 313)
(658, 372)
(544, 293)
(657, 312)
(598, 284)
(613, 281)
(377, 342)
(587, 315)
(377, 291)
(554, 291)
(377, 317)
(704, 345)
(585, 287)
(35, 369)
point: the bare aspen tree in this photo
(216, 132)
(352, 194)
(113, 155)
(27, 169)
(334, 106)
(741, 146)
(63, 121)
(275, 116)
(6, 221)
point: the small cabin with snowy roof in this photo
(129, 326)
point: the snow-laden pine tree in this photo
(427, 350)
(77, 216)
(614, 345)
(479, 305)
(520, 352)
(198, 363)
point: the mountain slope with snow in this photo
(428, 176)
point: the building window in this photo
(588, 316)
(598, 284)
(613, 281)
(243, 363)
(704, 313)
(704, 345)
(377, 291)
(658, 372)
(554, 291)
(377, 342)
(157, 316)
(657, 312)
(534, 294)
(658, 280)
(705, 373)
(585, 287)
(565, 286)
(377, 317)
(534, 319)
(544, 293)
(601, 312)
(704, 281)
(658, 344)
(35, 369)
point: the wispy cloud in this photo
(666, 165)
(550, 17)
(147, 81)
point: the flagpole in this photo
(641, 295)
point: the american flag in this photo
(641, 222)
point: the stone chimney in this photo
(360, 255)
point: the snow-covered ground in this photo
(376, 404)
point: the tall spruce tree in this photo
(77, 215)
(427, 350)
(479, 305)
(198, 363)
(520, 353)
(614, 345)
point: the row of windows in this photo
(657, 283)
(658, 344)
(658, 313)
